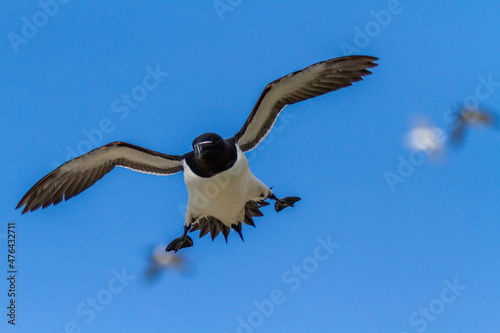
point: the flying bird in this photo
(159, 261)
(223, 193)
(470, 117)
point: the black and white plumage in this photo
(223, 192)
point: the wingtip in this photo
(21, 204)
(372, 58)
(358, 61)
(359, 56)
(371, 61)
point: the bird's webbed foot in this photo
(180, 242)
(283, 203)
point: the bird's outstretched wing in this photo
(80, 173)
(312, 81)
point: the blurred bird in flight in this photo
(160, 261)
(468, 117)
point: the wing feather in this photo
(315, 80)
(78, 174)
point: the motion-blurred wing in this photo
(80, 173)
(458, 130)
(479, 117)
(470, 117)
(315, 80)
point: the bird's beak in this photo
(201, 148)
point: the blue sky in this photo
(420, 256)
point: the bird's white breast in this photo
(223, 195)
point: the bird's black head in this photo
(211, 154)
(208, 146)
